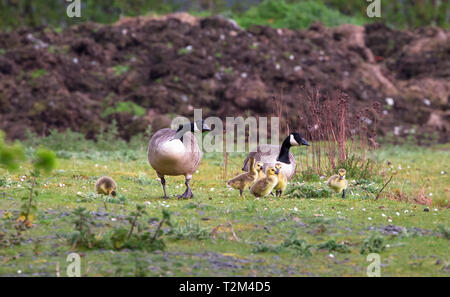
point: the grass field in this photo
(284, 236)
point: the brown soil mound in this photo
(74, 79)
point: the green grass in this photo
(276, 236)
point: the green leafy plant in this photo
(332, 246)
(143, 238)
(373, 244)
(83, 236)
(308, 191)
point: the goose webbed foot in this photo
(188, 193)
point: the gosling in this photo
(264, 186)
(106, 186)
(245, 180)
(338, 182)
(260, 168)
(282, 181)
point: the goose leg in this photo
(163, 183)
(343, 193)
(188, 193)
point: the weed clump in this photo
(373, 244)
(308, 191)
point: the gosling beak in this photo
(304, 142)
(262, 168)
(341, 177)
(113, 193)
(277, 171)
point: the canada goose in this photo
(282, 181)
(270, 154)
(338, 182)
(176, 152)
(106, 186)
(264, 186)
(244, 180)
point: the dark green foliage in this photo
(356, 167)
(83, 236)
(296, 15)
(44, 160)
(373, 244)
(143, 238)
(368, 185)
(299, 246)
(308, 191)
(332, 246)
(10, 155)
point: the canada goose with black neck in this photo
(176, 152)
(271, 154)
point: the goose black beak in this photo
(304, 142)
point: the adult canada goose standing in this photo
(270, 154)
(176, 152)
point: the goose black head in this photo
(296, 139)
(200, 126)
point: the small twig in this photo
(157, 230)
(378, 195)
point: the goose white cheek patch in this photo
(293, 141)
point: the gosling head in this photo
(296, 139)
(341, 173)
(271, 171)
(259, 166)
(277, 168)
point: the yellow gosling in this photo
(264, 186)
(244, 180)
(282, 181)
(106, 186)
(260, 168)
(338, 182)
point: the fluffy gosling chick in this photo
(282, 181)
(264, 186)
(338, 182)
(244, 180)
(106, 186)
(260, 168)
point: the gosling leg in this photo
(240, 192)
(343, 193)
